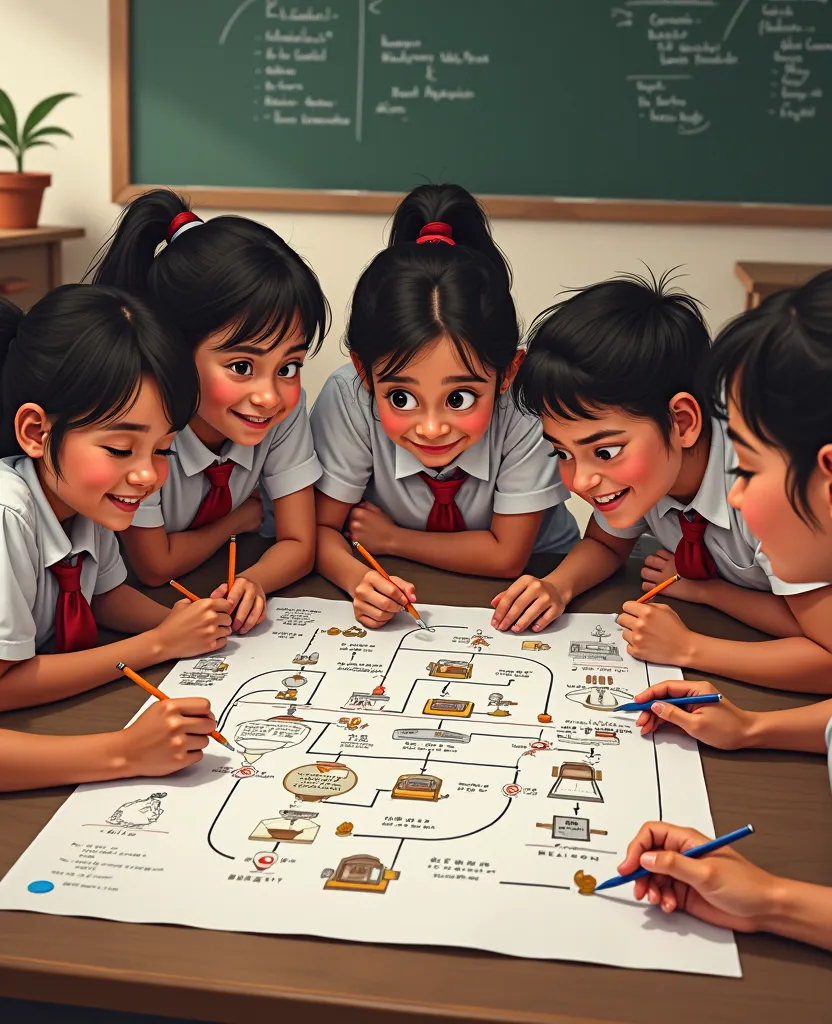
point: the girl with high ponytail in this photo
(424, 455)
(93, 387)
(251, 311)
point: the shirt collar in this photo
(194, 457)
(52, 539)
(711, 500)
(475, 461)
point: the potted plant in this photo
(21, 193)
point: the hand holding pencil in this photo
(721, 724)
(379, 596)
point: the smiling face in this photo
(435, 407)
(621, 464)
(248, 389)
(106, 468)
(798, 552)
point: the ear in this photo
(31, 428)
(687, 418)
(511, 372)
(825, 468)
(365, 378)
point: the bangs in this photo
(403, 355)
(546, 386)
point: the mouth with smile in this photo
(610, 501)
(126, 503)
(254, 422)
(436, 449)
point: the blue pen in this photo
(697, 851)
(679, 702)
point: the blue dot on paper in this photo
(41, 886)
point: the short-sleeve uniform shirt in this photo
(32, 539)
(509, 471)
(282, 463)
(734, 549)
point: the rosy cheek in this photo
(219, 393)
(634, 470)
(393, 423)
(476, 422)
(567, 471)
(290, 392)
(94, 472)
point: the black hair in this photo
(413, 293)
(227, 272)
(775, 362)
(630, 342)
(80, 353)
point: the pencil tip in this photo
(120, 665)
(233, 538)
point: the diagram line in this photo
(398, 851)
(437, 839)
(540, 885)
(737, 15)
(228, 856)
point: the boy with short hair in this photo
(614, 372)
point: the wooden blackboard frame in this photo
(333, 201)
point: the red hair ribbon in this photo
(436, 231)
(179, 222)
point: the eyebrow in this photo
(257, 350)
(601, 435)
(395, 379)
(465, 378)
(739, 439)
(133, 428)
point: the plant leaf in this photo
(7, 113)
(40, 110)
(9, 135)
(6, 145)
(29, 139)
(32, 146)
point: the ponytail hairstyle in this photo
(225, 272)
(775, 362)
(81, 353)
(440, 275)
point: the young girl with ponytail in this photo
(424, 455)
(251, 310)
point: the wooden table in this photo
(764, 279)
(227, 977)
(30, 262)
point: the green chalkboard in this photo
(712, 101)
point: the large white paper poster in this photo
(458, 786)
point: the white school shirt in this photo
(282, 463)
(733, 547)
(508, 469)
(32, 539)
(829, 748)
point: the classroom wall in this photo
(51, 46)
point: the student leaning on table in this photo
(775, 367)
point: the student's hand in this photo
(248, 603)
(373, 528)
(722, 725)
(527, 601)
(194, 627)
(660, 567)
(376, 600)
(722, 888)
(248, 517)
(654, 632)
(169, 735)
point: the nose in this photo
(266, 397)
(584, 479)
(735, 494)
(146, 476)
(432, 426)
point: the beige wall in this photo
(51, 46)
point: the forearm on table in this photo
(589, 563)
(336, 562)
(284, 562)
(758, 608)
(793, 663)
(801, 729)
(800, 911)
(49, 677)
(127, 610)
(184, 552)
(30, 761)
(473, 552)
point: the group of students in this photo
(163, 401)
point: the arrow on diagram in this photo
(577, 808)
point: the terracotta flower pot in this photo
(20, 198)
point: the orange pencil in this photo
(154, 692)
(232, 562)
(365, 554)
(184, 591)
(658, 589)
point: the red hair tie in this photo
(436, 231)
(179, 223)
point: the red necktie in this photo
(75, 628)
(693, 560)
(445, 516)
(217, 502)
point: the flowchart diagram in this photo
(456, 785)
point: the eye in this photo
(242, 367)
(559, 453)
(743, 474)
(289, 370)
(461, 400)
(402, 400)
(609, 452)
(119, 453)
(163, 451)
